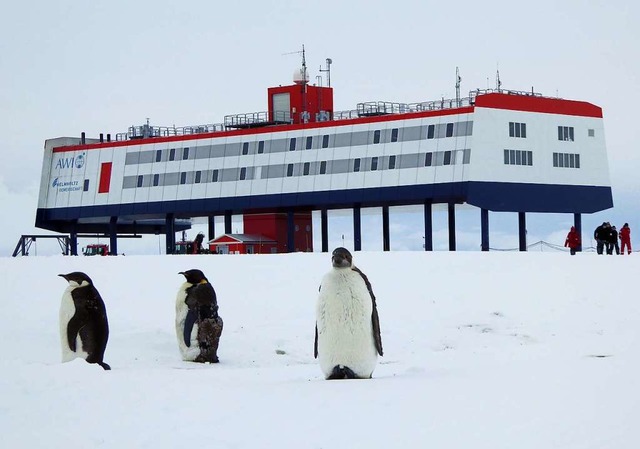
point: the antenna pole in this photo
(328, 70)
(304, 66)
(458, 79)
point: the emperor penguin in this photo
(84, 329)
(198, 325)
(347, 340)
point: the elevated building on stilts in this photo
(497, 150)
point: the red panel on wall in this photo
(105, 177)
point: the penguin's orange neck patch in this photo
(204, 281)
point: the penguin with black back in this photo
(198, 325)
(347, 337)
(84, 329)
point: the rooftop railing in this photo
(366, 109)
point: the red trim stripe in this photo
(538, 104)
(105, 177)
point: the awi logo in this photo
(70, 162)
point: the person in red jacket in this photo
(625, 238)
(573, 240)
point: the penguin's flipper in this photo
(375, 324)
(189, 321)
(375, 320)
(315, 344)
(73, 327)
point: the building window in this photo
(323, 167)
(376, 136)
(289, 170)
(566, 160)
(243, 173)
(214, 176)
(517, 130)
(305, 168)
(518, 157)
(158, 155)
(140, 179)
(309, 142)
(261, 147)
(592, 132)
(447, 158)
(172, 154)
(292, 144)
(431, 131)
(374, 163)
(185, 154)
(325, 141)
(394, 135)
(392, 162)
(85, 187)
(428, 160)
(565, 133)
(245, 148)
(156, 180)
(183, 177)
(356, 164)
(198, 177)
(449, 130)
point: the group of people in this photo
(606, 237)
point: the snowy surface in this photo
(482, 350)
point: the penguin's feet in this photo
(105, 366)
(207, 358)
(341, 372)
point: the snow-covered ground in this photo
(482, 350)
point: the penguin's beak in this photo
(63, 276)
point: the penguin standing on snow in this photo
(347, 341)
(84, 329)
(198, 325)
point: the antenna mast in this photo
(458, 79)
(329, 61)
(304, 66)
(498, 82)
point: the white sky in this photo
(68, 67)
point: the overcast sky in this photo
(102, 66)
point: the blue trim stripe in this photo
(493, 196)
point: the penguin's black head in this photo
(341, 258)
(77, 278)
(194, 276)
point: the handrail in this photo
(264, 118)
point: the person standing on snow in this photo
(601, 235)
(625, 238)
(572, 241)
(614, 241)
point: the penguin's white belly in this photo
(67, 310)
(188, 353)
(343, 317)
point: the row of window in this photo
(522, 157)
(566, 160)
(352, 139)
(376, 163)
(517, 130)
(518, 157)
(565, 133)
